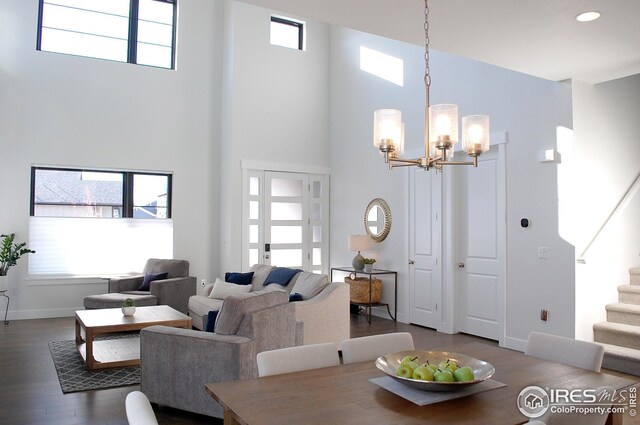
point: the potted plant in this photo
(10, 253)
(129, 307)
(368, 264)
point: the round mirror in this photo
(377, 219)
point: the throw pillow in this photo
(211, 321)
(310, 284)
(150, 277)
(295, 297)
(239, 278)
(281, 276)
(221, 289)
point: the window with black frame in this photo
(286, 32)
(135, 31)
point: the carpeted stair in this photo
(620, 334)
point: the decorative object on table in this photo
(10, 253)
(377, 219)
(74, 376)
(368, 264)
(359, 289)
(440, 129)
(481, 370)
(358, 243)
(129, 307)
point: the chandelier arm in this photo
(405, 161)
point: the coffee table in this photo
(125, 351)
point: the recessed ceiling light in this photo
(588, 16)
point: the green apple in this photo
(407, 359)
(405, 371)
(463, 374)
(448, 364)
(432, 367)
(443, 375)
(423, 373)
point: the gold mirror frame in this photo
(383, 230)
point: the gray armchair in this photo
(173, 291)
(176, 364)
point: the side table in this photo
(374, 272)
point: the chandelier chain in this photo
(427, 74)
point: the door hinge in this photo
(308, 256)
(436, 306)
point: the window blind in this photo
(96, 247)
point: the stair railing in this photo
(621, 205)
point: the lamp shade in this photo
(359, 242)
(443, 126)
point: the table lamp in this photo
(358, 243)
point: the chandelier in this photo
(440, 133)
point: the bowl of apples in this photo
(435, 370)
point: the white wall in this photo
(528, 108)
(276, 109)
(72, 111)
(607, 160)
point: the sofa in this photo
(324, 308)
(174, 290)
(176, 363)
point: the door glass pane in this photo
(286, 234)
(286, 211)
(254, 186)
(286, 187)
(253, 257)
(254, 210)
(253, 233)
(317, 234)
(317, 189)
(286, 257)
(317, 256)
(316, 212)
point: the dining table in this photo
(346, 395)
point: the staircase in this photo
(620, 334)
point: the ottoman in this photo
(115, 300)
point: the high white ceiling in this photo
(537, 37)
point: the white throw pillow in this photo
(221, 289)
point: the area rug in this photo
(73, 375)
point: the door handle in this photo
(411, 262)
(461, 265)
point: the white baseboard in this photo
(42, 314)
(515, 344)
(382, 312)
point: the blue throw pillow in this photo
(295, 297)
(150, 277)
(211, 321)
(238, 278)
(281, 276)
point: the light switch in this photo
(543, 252)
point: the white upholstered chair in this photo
(295, 359)
(139, 411)
(371, 347)
(582, 354)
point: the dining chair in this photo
(139, 410)
(371, 347)
(295, 359)
(582, 354)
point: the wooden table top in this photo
(343, 394)
(112, 318)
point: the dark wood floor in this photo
(30, 392)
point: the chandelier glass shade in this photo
(440, 133)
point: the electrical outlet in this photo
(203, 282)
(544, 315)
